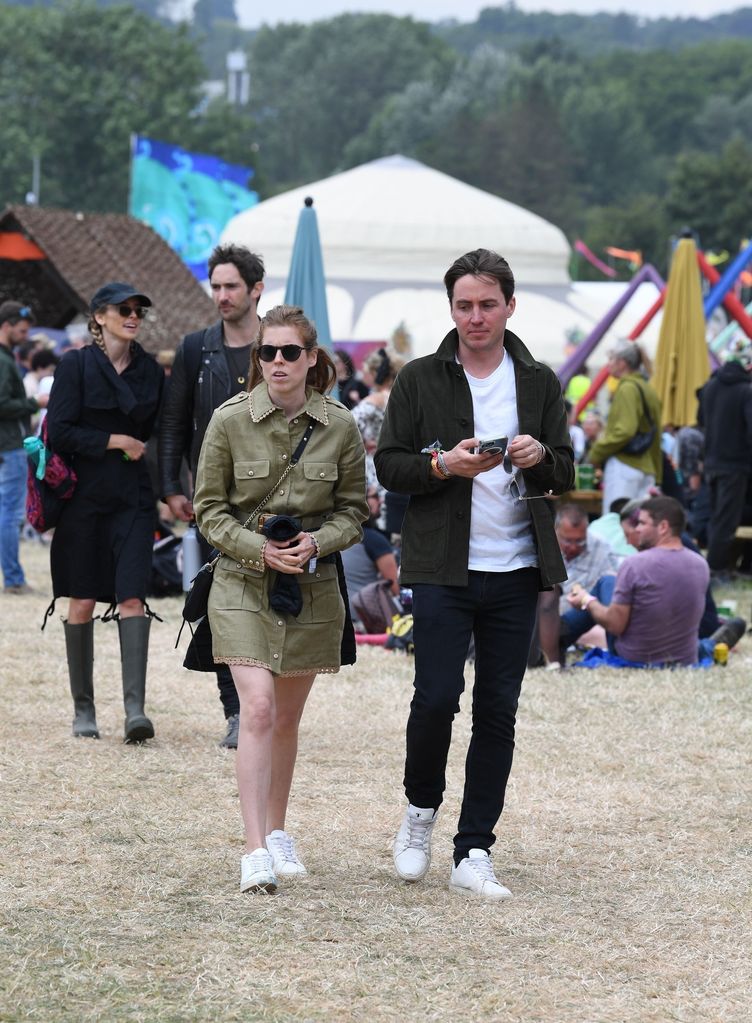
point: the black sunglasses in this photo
(290, 353)
(128, 310)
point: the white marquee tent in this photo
(390, 229)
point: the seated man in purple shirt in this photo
(652, 610)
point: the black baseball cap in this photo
(114, 293)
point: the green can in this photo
(584, 476)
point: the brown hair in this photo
(668, 508)
(95, 329)
(481, 263)
(323, 375)
(247, 263)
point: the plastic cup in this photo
(584, 478)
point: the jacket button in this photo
(294, 420)
(322, 474)
(460, 515)
(284, 458)
(318, 575)
(463, 422)
(250, 472)
(281, 491)
(238, 565)
(275, 656)
(280, 623)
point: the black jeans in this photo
(498, 608)
(228, 694)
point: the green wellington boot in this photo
(134, 650)
(79, 649)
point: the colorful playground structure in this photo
(721, 292)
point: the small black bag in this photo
(197, 598)
(641, 442)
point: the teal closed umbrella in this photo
(306, 284)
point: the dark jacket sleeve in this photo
(64, 413)
(175, 426)
(14, 404)
(399, 464)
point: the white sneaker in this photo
(257, 872)
(281, 846)
(474, 878)
(412, 844)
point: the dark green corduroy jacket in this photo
(431, 400)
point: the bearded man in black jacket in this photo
(210, 366)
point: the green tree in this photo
(410, 121)
(313, 88)
(713, 195)
(76, 105)
(206, 12)
(640, 224)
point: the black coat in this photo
(102, 546)
(726, 414)
(189, 404)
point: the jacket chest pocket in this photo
(250, 471)
(320, 472)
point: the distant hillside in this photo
(509, 28)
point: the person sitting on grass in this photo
(651, 610)
(586, 559)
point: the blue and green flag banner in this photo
(187, 198)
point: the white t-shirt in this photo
(501, 535)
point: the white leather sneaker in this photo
(285, 860)
(257, 872)
(474, 878)
(412, 844)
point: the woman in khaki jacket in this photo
(275, 655)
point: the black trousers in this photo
(727, 495)
(228, 694)
(498, 609)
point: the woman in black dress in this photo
(102, 410)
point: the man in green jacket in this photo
(478, 543)
(15, 412)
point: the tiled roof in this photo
(84, 251)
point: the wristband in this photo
(542, 455)
(441, 465)
(317, 553)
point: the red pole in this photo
(730, 301)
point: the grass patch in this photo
(626, 840)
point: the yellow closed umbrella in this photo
(682, 363)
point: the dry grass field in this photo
(626, 841)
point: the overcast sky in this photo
(252, 14)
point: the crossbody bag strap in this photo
(645, 409)
(296, 456)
